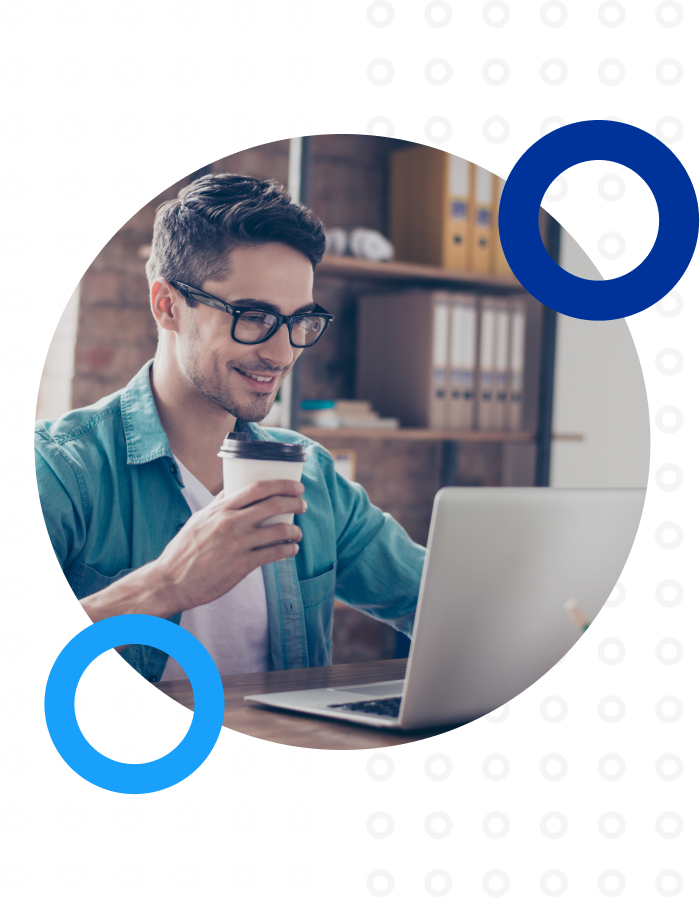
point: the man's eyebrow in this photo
(269, 306)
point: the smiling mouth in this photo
(258, 377)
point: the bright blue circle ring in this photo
(76, 751)
(675, 198)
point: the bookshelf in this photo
(416, 433)
(412, 273)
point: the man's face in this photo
(274, 277)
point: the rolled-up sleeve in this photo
(379, 567)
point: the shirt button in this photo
(153, 679)
(179, 528)
(173, 470)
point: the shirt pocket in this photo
(85, 580)
(318, 589)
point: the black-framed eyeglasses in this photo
(251, 325)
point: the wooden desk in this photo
(306, 731)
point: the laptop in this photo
(511, 577)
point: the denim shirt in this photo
(111, 494)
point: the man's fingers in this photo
(263, 489)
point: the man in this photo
(131, 487)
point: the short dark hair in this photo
(194, 234)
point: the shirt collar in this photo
(145, 438)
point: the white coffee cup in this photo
(247, 461)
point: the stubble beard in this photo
(215, 384)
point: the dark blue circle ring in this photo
(675, 198)
(76, 751)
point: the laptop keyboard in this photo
(385, 707)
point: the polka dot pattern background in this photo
(583, 785)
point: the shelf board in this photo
(346, 266)
(415, 433)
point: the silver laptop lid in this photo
(501, 565)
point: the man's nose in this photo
(278, 350)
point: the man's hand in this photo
(223, 543)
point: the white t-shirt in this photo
(233, 628)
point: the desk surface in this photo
(289, 728)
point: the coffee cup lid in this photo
(239, 445)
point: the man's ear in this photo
(167, 305)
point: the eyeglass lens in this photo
(251, 327)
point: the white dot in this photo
(120, 186)
(20, 580)
(611, 255)
(71, 809)
(563, 183)
(496, 757)
(121, 708)
(11, 62)
(611, 757)
(675, 600)
(236, 767)
(554, 717)
(676, 703)
(186, 80)
(128, 119)
(234, 14)
(121, 19)
(129, 884)
(305, 809)
(301, 5)
(13, 520)
(178, 18)
(669, 892)
(7, 179)
(431, 8)
(447, 767)
(380, 80)
(384, 758)
(548, 120)
(307, 767)
(499, 718)
(63, 19)
(71, 234)
(243, 80)
(7, 122)
(495, 833)
(9, 22)
(611, 642)
(240, 867)
(14, 654)
(71, 62)
(373, 20)
(619, 19)
(672, 80)
(122, 825)
(675, 831)
(675, 644)
(677, 124)
(10, 694)
(236, 122)
(489, 136)
(7, 824)
(662, 542)
(553, 80)
(560, 20)
(12, 406)
(604, 180)
(669, 757)
(438, 80)
(14, 234)
(673, 5)
(608, 716)
(192, 882)
(129, 80)
(611, 80)
(663, 312)
(300, 119)
(493, 6)
(553, 834)
(553, 776)
(614, 833)
(130, 750)
(495, 80)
